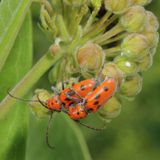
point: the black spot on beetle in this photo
(82, 87)
(96, 103)
(71, 103)
(67, 99)
(89, 109)
(105, 88)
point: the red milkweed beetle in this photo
(72, 95)
(69, 96)
(94, 100)
(100, 95)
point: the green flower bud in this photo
(135, 46)
(141, 2)
(47, 6)
(96, 3)
(111, 70)
(134, 19)
(152, 22)
(153, 50)
(132, 86)
(111, 109)
(45, 17)
(48, 19)
(37, 109)
(117, 6)
(145, 63)
(54, 73)
(126, 65)
(153, 38)
(54, 49)
(90, 57)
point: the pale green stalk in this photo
(28, 81)
(114, 31)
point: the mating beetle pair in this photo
(80, 99)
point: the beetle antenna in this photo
(21, 99)
(28, 100)
(41, 102)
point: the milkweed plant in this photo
(96, 38)
(93, 38)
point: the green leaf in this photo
(12, 14)
(13, 127)
(64, 135)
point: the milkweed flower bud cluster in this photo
(116, 38)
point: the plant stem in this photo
(112, 52)
(75, 41)
(76, 19)
(72, 21)
(90, 20)
(117, 38)
(99, 29)
(28, 81)
(99, 23)
(114, 31)
(107, 23)
(62, 27)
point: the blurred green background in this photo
(134, 134)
